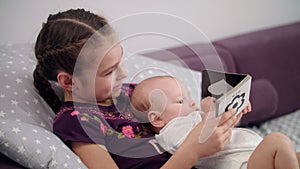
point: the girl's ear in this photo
(65, 80)
(155, 120)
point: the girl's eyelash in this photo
(108, 73)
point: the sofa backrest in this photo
(272, 57)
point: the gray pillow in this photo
(26, 119)
(19, 99)
(35, 147)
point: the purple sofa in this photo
(270, 56)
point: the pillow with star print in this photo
(35, 147)
(19, 99)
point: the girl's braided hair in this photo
(58, 46)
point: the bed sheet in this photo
(288, 124)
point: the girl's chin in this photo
(117, 87)
(116, 92)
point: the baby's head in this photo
(160, 99)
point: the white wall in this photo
(21, 20)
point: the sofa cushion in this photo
(273, 55)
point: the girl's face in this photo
(101, 82)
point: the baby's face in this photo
(178, 100)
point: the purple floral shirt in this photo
(130, 144)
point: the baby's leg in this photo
(276, 151)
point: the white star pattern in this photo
(35, 101)
(24, 138)
(2, 96)
(14, 102)
(16, 130)
(65, 165)
(18, 80)
(53, 148)
(42, 124)
(53, 163)
(78, 160)
(38, 151)
(37, 141)
(2, 114)
(21, 149)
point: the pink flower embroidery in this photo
(83, 119)
(128, 131)
(103, 128)
(74, 113)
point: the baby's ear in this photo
(155, 120)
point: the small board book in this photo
(231, 90)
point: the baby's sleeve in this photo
(176, 131)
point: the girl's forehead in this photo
(105, 58)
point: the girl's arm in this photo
(89, 153)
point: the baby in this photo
(165, 103)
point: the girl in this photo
(79, 50)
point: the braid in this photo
(45, 90)
(58, 45)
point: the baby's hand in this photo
(207, 104)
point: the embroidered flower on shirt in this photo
(75, 113)
(128, 131)
(83, 119)
(103, 128)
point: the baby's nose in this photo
(192, 103)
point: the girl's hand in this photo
(214, 133)
(243, 112)
(207, 138)
(247, 109)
